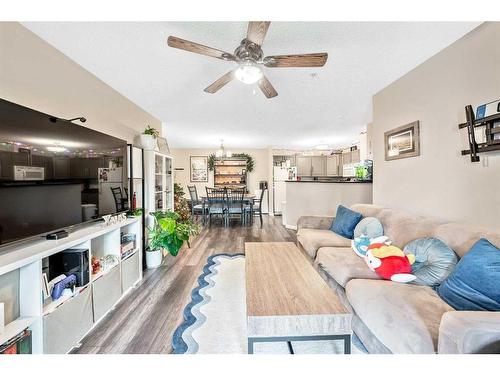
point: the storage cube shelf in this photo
(58, 325)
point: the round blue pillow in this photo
(434, 260)
(369, 227)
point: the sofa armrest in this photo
(314, 222)
(465, 332)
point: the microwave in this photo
(24, 173)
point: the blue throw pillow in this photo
(345, 222)
(370, 227)
(474, 285)
(434, 261)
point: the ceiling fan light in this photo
(248, 73)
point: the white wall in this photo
(182, 160)
(36, 75)
(440, 182)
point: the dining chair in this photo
(217, 204)
(196, 205)
(121, 203)
(257, 205)
(236, 204)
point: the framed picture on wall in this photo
(199, 168)
(402, 142)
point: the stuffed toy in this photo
(390, 262)
(360, 244)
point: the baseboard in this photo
(294, 227)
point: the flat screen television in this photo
(55, 174)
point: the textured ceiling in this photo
(315, 105)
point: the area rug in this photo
(215, 319)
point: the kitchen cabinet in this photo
(355, 156)
(61, 167)
(333, 165)
(6, 166)
(85, 167)
(304, 165)
(318, 164)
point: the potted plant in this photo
(148, 138)
(167, 236)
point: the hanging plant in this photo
(250, 162)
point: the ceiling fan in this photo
(250, 58)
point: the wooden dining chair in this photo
(217, 204)
(257, 205)
(236, 205)
(196, 204)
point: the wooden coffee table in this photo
(287, 300)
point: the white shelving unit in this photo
(159, 183)
(57, 326)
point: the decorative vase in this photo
(153, 258)
(148, 142)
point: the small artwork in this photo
(199, 168)
(163, 146)
(402, 142)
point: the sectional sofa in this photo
(390, 317)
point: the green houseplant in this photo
(167, 236)
(149, 138)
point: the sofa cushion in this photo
(312, 239)
(434, 260)
(474, 283)
(345, 221)
(390, 308)
(461, 237)
(369, 227)
(343, 265)
(402, 227)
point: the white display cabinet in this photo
(159, 183)
(57, 326)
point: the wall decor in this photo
(163, 145)
(199, 168)
(402, 142)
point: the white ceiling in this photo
(315, 105)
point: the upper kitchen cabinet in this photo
(333, 165)
(304, 165)
(355, 156)
(61, 167)
(85, 167)
(318, 164)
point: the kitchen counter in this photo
(304, 198)
(333, 181)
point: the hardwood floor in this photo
(145, 320)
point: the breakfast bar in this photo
(322, 197)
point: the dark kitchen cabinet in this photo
(44, 162)
(85, 167)
(6, 166)
(61, 167)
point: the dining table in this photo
(248, 199)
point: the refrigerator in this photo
(280, 176)
(109, 178)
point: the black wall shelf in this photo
(491, 126)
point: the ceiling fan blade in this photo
(296, 61)
(257, 31)
(267, 88)
(186, 45)
(222, 81)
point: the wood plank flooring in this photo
(145, 320)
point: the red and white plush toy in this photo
(390, 262)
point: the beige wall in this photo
(36, 75)
(181, 160)
(441, 182)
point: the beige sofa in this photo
(390, 317)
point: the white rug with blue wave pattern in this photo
(215, 319)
